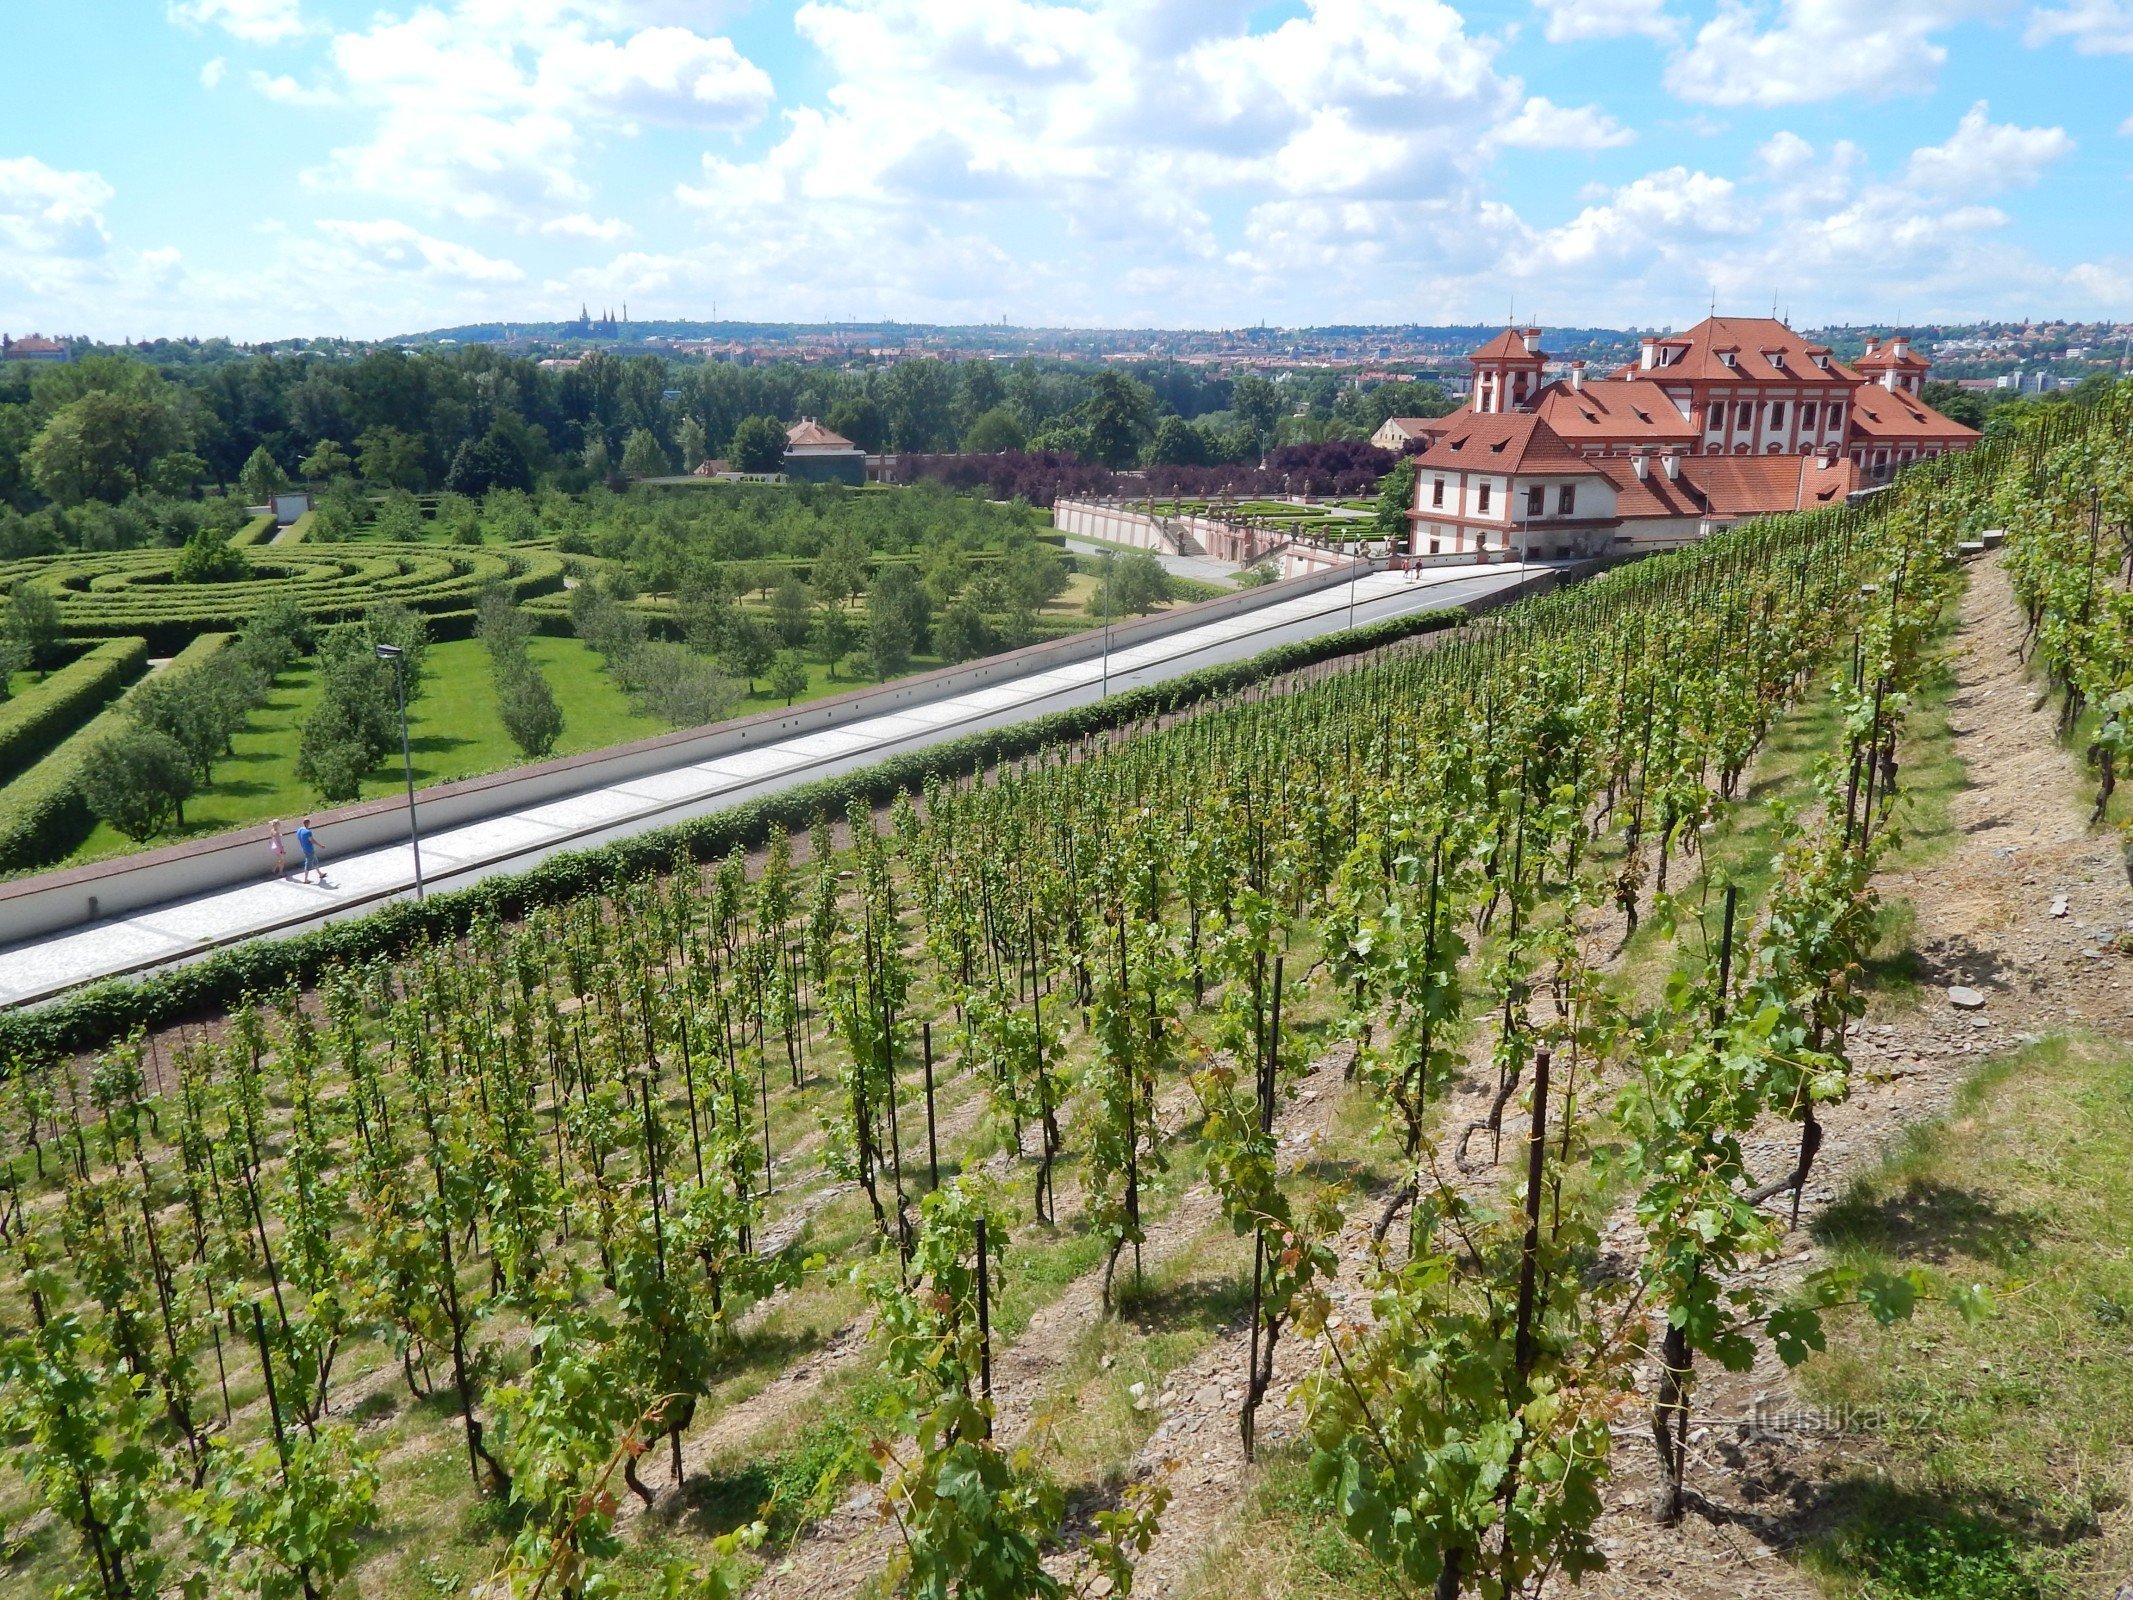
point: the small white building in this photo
(1500, 482)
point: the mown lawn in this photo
(453, 732)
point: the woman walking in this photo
(277, 848)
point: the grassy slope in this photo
(2008, 1443)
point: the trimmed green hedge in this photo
(38, 718)
(90, 1017)
(258, 531)
(108, 594)
(42, 816)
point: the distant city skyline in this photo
(267, 169)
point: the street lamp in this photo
(398, 658)
(1110, 561)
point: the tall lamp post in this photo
(1110, 561)
(398, 657)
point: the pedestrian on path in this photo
(277, 848)
(307, 842)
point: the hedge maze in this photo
(132, 593)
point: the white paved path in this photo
(184, 930)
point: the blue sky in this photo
(268, 168)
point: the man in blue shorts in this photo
(307, 842)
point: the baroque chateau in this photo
(1737, 417)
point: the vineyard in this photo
(620, 1248)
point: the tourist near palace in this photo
(1737, 417)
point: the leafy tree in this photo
(748, 646)
(1119, 416)
(1396, 498)
(177, 473)
(137, 781)
(962, 634)
(262, 477)
(599, 466)
(898, 595)
(1139, 583)
(994, 432)
(1258, 406)
(102, 445)
(644, 457)
(683, 689)
(510, 516)
(209, 557)
(492, 462)
(789, 607)
(758, 445)
(33, 624)
(789, 676)
(694, 447)
(860, 420)
(198, 711)
(832, 634)
(392, 459)
(398, 518)
(327, 462)
(1177, 443)
(528, 709)
(890, 642)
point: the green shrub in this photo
(36, 720)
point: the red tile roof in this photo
(1625, 410)
(1764, 351)
(1881, 357)
(1515, 441)
(1890, 414)
(1509, 345)
(1729, 487)
(807, 433)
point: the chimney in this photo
(1577, 377)
(1641, 464)
(1671, 461)
(1872, 343)
(1532, 338)
(1900, 346)
(1647, 352)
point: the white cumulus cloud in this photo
(1813, 50)
(486, 111)
(394, 246)
(1570, 20)
(254, 21)
(1541, 124)
(2094, 27)
(1986, 157)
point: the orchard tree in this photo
(137, 781)
(789, 676)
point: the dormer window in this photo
(1726, 356)
(1822, 360)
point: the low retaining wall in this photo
(49, 902)
(1238, 542)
